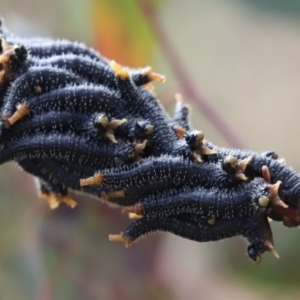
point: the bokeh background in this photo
(237, 64)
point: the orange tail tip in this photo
(276, 201)
(179, 98)
(139, 147)
(241, 176)
(104, 196)
(179, 132)
(116, 238)
(156, 77)
(206, 151)
(133, 216)
(120, 71)
(197, 157)
(119, 238)
(68, 201)
(110, 136)
(273, 189)
(270, 247)
(137, 209)
(116, 194)
(111, 195)
(22, 110)
(51, 199)
(97, 179)
(152, 76)
(115, 123)
(242, 164)
(266, 174)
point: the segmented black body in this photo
(76, 120)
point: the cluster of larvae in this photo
(75, 120)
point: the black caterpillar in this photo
(76, 120)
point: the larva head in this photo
(254, 251)
(270, 154)
(13, 60)
(259, 234)
(19, 57)
(144, 128)
(261, 194)
(101, 121)
(194, 138)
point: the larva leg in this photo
(45, 193)
(53, 193)
(61, 174)
(56, 194)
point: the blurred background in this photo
(237, 64)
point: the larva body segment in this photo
(240, 201)
(77, 121)
(52, 191)
(82, 99)
(255, 229)
(141, 178)
(91, 69)
(289, 190)
(50, 47)
(56, 146)
(38, 80)
(50, 122)
(166, 171)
